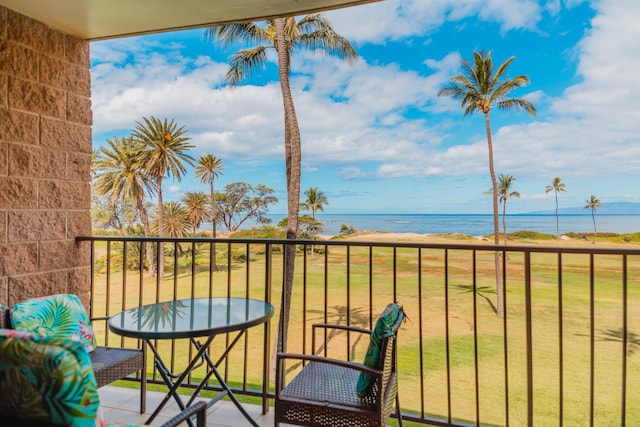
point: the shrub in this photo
(530, 235)
(347, 229)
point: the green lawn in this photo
(475, 332)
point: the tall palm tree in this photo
(119, 171)
(285, 35)
(165, 152)
(556, 186)
(480, 89)
(593, 203)
(316, 201)
(208, 169)
(196, 204)
(505, 193)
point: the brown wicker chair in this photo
(109, 363)
(324, 392)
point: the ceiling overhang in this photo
(105, 19)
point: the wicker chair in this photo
(109, 363)
(324, 392)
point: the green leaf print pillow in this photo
(57, 316)
(382, 329)
(46, 380)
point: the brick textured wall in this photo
(45, 154)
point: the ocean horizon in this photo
(471, 224)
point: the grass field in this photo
(455, 358)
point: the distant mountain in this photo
(617, 208)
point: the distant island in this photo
(616, 208)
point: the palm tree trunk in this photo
(504, 220)
(292, 164)
(496, 226)
(144, 218)
(214, 216)
(595, 232)
(160, 214)
(557, 219)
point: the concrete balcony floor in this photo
(121, 405)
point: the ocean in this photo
(474, 225)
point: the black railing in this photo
(564, 353)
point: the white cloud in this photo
(400, 19)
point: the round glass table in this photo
(192, 318)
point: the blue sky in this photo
(375, 136)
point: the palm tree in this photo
(165, 147)
(119, 171)
(208, 169)
(479, 88)
(316, 201)
(593, 204)
(505, 193)
(556, 186)
(176, 220)
(285, 35)
(196, 204)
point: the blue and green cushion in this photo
(56, 316)
(382, 330)
(45, 379)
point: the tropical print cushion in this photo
(44, 379)
(372, 359)
(61, 316)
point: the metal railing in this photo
(564, 353)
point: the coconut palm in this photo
(208, 169)
(119, 172)
(165, 152)
(505, 193)
(480, 88)
(556, 186)
(285, 36)
(593, 203)
(196, 204)
(316, 201)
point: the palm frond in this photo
(244, 63)
(502, 68)
(517, 104)
(328, 41)
(247, 33)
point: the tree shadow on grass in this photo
(617, 335)
(337, 314)
(481, 291)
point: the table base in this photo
(174, 381)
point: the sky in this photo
(376, 138)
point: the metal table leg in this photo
(167, 377)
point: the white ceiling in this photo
(102, 19)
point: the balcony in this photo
(564, 353)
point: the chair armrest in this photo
(199, 409)
(281, 357)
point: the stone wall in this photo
(45, 155)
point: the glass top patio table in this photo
(190, 318)
(193, 318)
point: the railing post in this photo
(527, 286)
(266, 366)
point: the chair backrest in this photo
(381, 353)
(388, 358)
